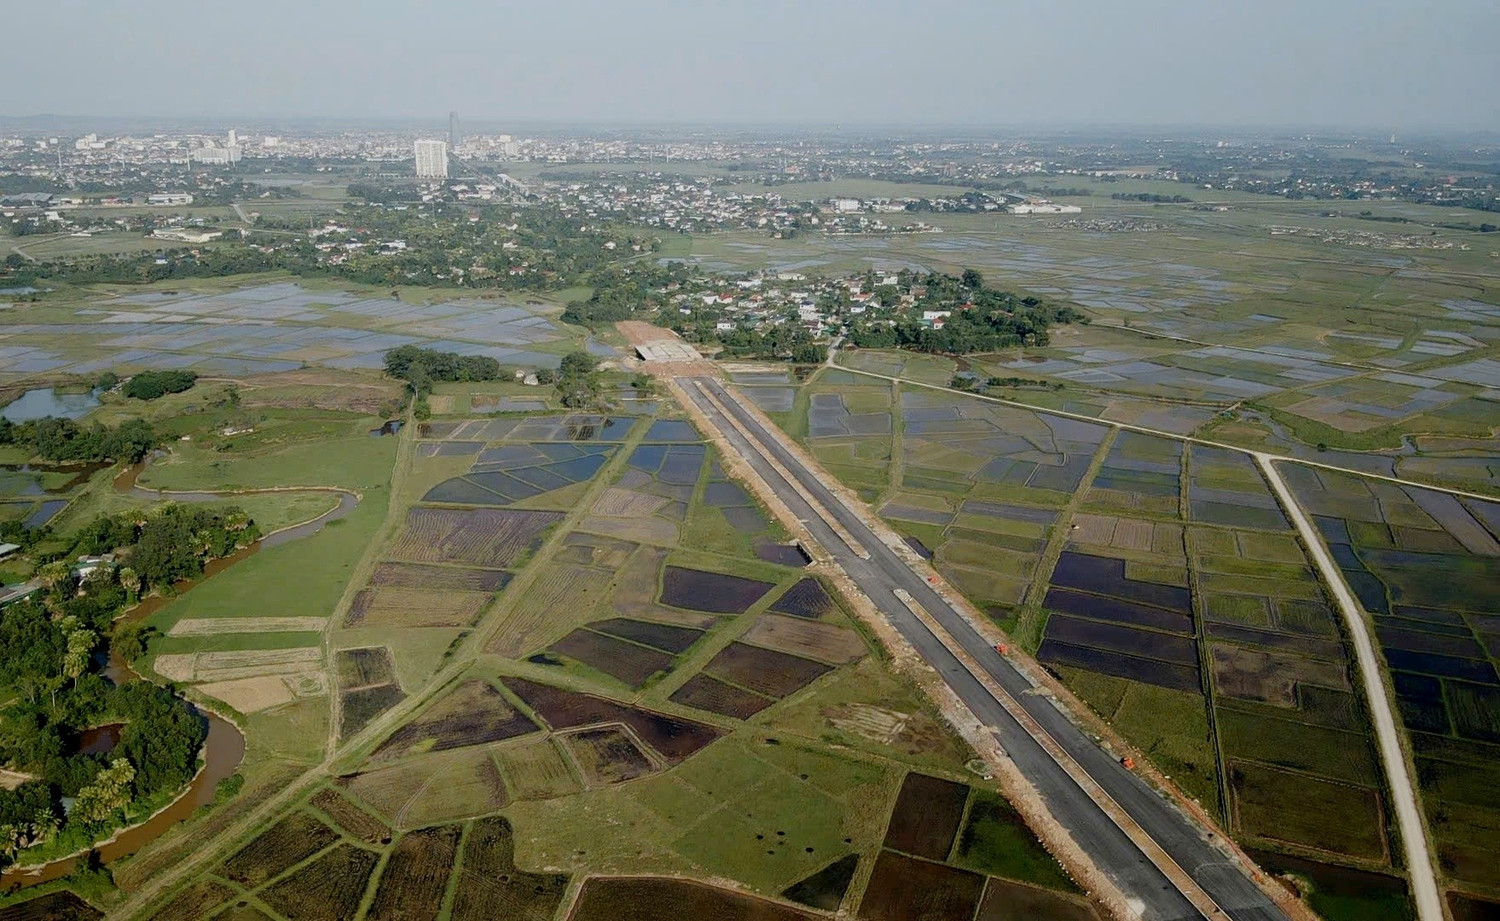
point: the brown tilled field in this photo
(711, 694)
(562, 594)
(416, 876)
(314, 388)
(774, 674)
(413, 607)
(607, 756)
(330, 887)
(483, 537)
(451, 578)
(814, 639)
(473, 713)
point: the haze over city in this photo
(761, 461)
(1383, 65)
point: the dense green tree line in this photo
(168, 542)
(56, 439)
(50, 647)
(421, 368)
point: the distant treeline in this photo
(1152, 197)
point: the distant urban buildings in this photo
(214, 155)
(455, 138)
(432, 159)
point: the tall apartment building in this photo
(432, 159)
(455, 136)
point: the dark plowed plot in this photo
(474, 713)
(672, 737)
(826, 888)
(715, 592)
(926, 816)
(485, 537)
(1147, 671)
(1297, 809)
(193, 903)
(360, 668)
(1099, 607)
(607, 756)
(1106, 576)
(1470, 908)
(54, 906)
(906, 889)
(631, 664)
(351, 818)
(659, 636)
(705, 693)
(357, 708)
(1250, 636)
(453, 578)
(628, 899)
(1420, 699)
(1476, 670)
(807, 598)
(416, 876)
(1180, 650)
(288, 842)
(1005, 901)
(328, 889)
(774, 674)
(490, 886)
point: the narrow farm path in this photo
(1393, 756)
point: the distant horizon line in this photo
(798, 126)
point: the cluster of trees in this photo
(578, 380)
(151, 385)
(620, 292)
(56, 439)
(983, 319)
(786, 341)
(168, 542)
(48, 647)
(421, 368)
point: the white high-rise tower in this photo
(432, 159)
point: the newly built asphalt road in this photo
(1108, 846)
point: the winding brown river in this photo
(224, 748)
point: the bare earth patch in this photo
(218, 626)
(227, 666)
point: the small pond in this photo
(39, 404)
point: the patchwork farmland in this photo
(1165, 586)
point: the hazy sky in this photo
(1376, 63)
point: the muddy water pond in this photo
(99, 740)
